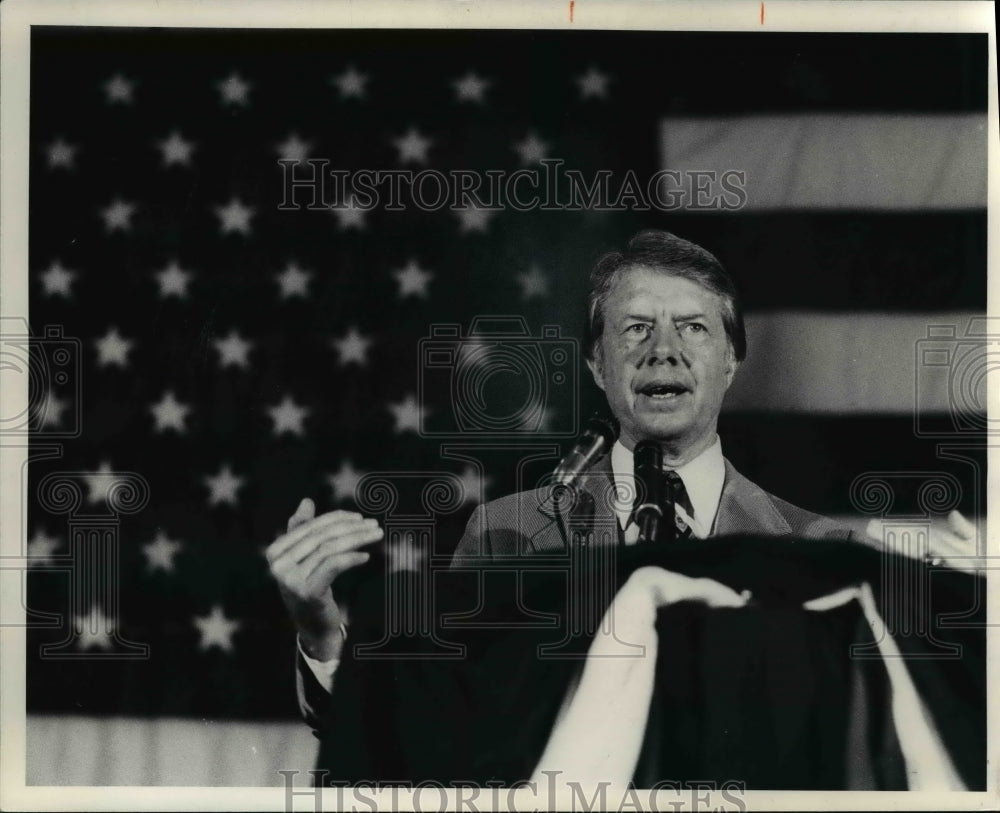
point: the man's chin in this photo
(661, 426)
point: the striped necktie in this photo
(677, 496)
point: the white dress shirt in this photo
(703, 478)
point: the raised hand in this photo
(306, 559)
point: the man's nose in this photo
(665, 347)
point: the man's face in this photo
(664, 360)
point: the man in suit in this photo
(665, 337)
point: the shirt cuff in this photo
(324, 671)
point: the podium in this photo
(770, 694)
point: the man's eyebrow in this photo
(645, 317)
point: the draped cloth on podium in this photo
(797, 690)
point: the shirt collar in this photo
(703, 478)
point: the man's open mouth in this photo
(663, 391)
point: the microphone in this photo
(649, 483)
(599, 436)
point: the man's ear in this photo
(732, 365)
(596, 365)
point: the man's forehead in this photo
(638, 284)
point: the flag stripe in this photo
(838, 161)
(812, 460)
(842, 261)
(866, 363)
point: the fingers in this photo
(945, 542)
(667, 587)
(340, 545)
(716, 594)
(875, 529)
(327, 568)
(305, 512)
(307, 583)
(328, 523)
(961, 526)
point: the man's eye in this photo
(695, 327)
(638, 327)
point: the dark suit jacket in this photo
(532, 522)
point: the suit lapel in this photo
(596, 486)
(745, 508)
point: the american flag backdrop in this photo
(238, 356)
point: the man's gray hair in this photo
(663, 252)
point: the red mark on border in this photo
(571, 4)
(762, 12)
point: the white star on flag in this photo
(113, 348)
(413, 147)
(593, 83)
(288, 416)
(118, 216)
(61, 154)
(350, 215)
(470, 88)
(345, 481)
(293, 281)
(233, 89)
(474, 218)
(223, 486)
(474, 485)
(100, 482)
(234, 216)
(232, 350)
(293, 148)
(176, 150)
(173, 281)
(216, 630)
(94, 630)
(538, 421)
(531, 149)
(413, 280)
(404, 554)
(353, 347)
(407, 414)
(170, 413)
(57, 279)
(533, 283)
(41, 548)
(160, 553)
(50, 410)
(118, 89)
(351, 83)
